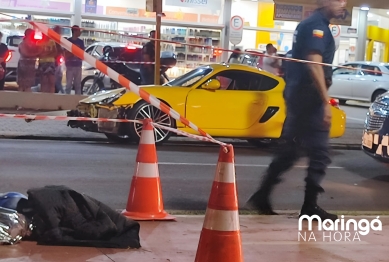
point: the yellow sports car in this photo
(234, 101)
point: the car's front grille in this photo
(374, 123)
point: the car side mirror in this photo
(212, 84)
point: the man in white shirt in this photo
(271, 64)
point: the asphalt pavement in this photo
(58, 130)
(354, 182)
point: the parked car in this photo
(375, 139)
(359, 85)
(13, 57)
(235, 101)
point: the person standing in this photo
(235, 56)
(3, 56)
(46, 67)
(73, 63)
(270, 62)
(29, 52)
(148, 55)
(58, 65)
(308, 116)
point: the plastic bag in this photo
(13, 226)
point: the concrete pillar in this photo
(225, 44)
(76, 18)
(362, 31)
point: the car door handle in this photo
(375, 80)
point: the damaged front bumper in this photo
(91, 111)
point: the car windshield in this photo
(190, 78)
(387, 67)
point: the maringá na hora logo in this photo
(337, 231)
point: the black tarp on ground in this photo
(62, 216)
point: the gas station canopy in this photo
(379, 4)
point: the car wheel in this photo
(89, 86)
(376, 94)
(143, 110)
(262, 142)
(118, 139)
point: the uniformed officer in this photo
(308, 111)
(148, 55)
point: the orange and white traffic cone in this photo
(220, 238)
(145, 200)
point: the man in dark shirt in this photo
(3, 56)
(148, 55)
(73, 63)
(308, 117)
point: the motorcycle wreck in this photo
(124, 65)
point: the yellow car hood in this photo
(171, 95)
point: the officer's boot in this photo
(260, 200)
(310, 206)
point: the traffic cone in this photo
(145, 200)
(220, 238)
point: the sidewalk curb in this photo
(190, 143)
(246, 213)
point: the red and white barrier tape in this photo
(68, 118)
(204, 46)
(179, 132)
(65, 118)
(116, 77)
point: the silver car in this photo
(359, 85)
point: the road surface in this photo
(355, 182)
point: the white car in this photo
(356, 84)
(13, 57)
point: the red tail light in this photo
(334, 103)
(9, 56)
(131, 48)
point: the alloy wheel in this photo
(158, 117)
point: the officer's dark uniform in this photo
(304, 126)
(147, 71)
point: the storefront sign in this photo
(99, 9)
(210, 4)
(209, 19)
(133, 12)
(236, 29)
(121, 11)
(288, 12)
(41, 5)
(299, 12)
(91, 6)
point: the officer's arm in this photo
(316, 47)
(317, 74)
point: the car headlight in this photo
(113, 98)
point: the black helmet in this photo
(107, 50)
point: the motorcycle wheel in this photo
(143, 110)
(90, 90)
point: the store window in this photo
(209, 12)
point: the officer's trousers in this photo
(147, 74)
(303, 131)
